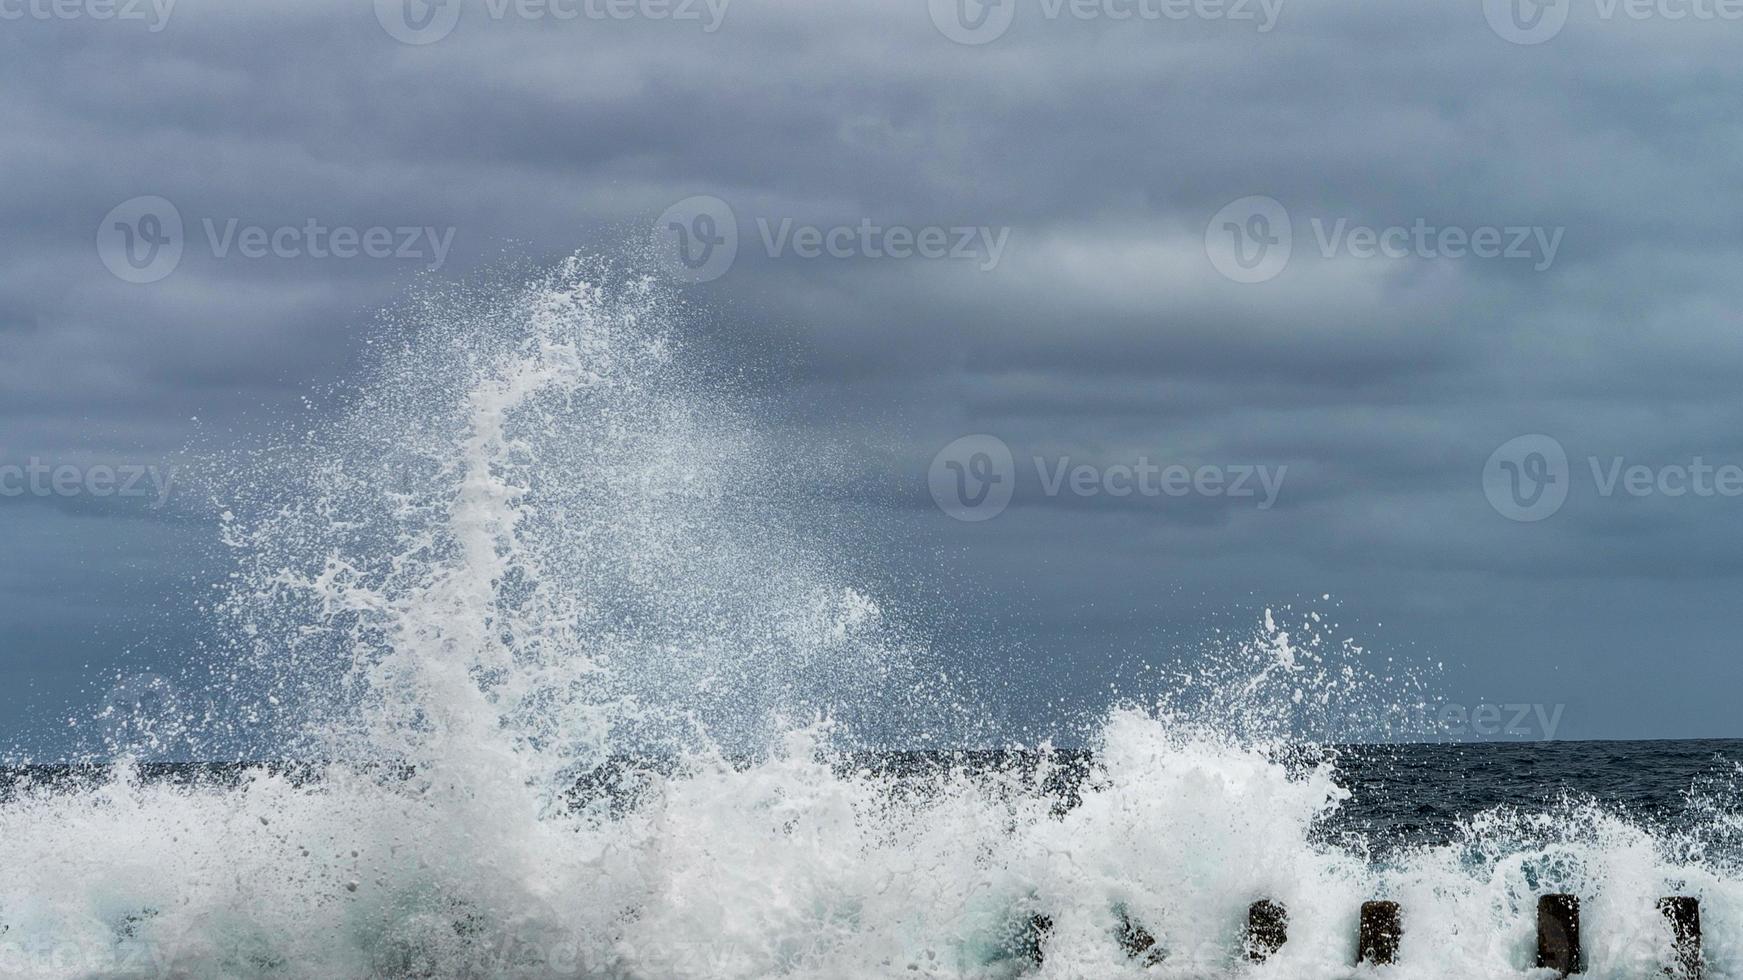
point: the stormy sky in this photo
(1141, 246)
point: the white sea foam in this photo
(532, 544)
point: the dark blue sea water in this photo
(1422, 793)
(1400, 795)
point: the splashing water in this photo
(533, 551)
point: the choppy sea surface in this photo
(540, 545)
(1400, 795)
(1424, 794)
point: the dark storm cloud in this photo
(1102, 149)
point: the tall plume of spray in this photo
(538, 539)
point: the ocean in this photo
(809, 864)
(519, 557)
(1401, 796)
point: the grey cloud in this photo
(1104, 331)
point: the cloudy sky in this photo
(1358, 249)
